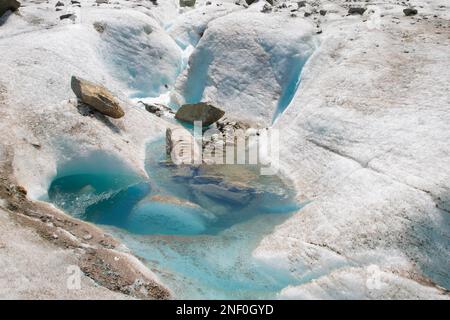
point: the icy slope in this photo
(366, 140)
(248, 63)
(132, 44)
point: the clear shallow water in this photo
(196, 227)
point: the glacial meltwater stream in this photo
(196, 228)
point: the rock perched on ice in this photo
(266, 8)
(6, 5)
(202, 111)
(97, 97)
(187, 3)
(99, 26)
(59, 4)
(67, 16)
(410, 12)
(356, 10)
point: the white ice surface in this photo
(364, 139)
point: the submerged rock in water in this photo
(6, 5)
(202, 111)
(232, 192)
(97, 97)
(183, 173)
(162, 214)
(207, 179)
(87, 189)
(170, 199)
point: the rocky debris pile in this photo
(97, 97)
(226, 134)
(6, 5)
(182, 148)
(202, 111)
(119, 271)
(158, 109)
(231, 130)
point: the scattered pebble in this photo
(87, 236)
(66, 16)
